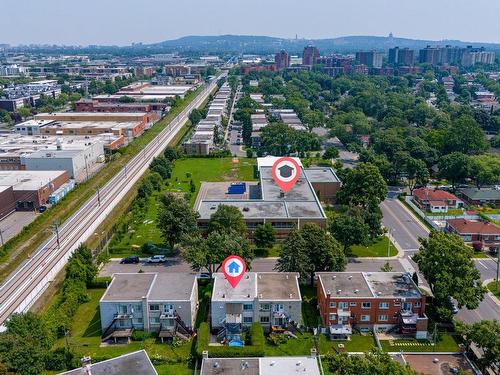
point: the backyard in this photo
(446, 342)
(140, 227)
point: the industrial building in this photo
(265, 202)
(147, 91)
(28, 190)
(128, 124)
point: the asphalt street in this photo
(404, 228)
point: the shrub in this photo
(139, 335)
(59, 359)
(100, 282)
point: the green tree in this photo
(316, 251)
(227, 218)
(175, 219)
(374, 362)
(485, 334)
(362, 185)
(485, 169)
(446, 263)
(208, 253)
(417, 174)
(161, 166)
(172, 153)
(126, 99)
(331, 153)
(24, 112)
(454, 167)
(465, 136)
(386, 267)
(25, 343)
(350, 230)
(293, 255)
(264, 236)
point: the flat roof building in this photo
(30, 189)
(260, 366)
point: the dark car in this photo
(130, 260)
(42, 209)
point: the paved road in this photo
(404, 228)
(28, 282)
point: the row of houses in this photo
(261, 119)
(167, 303)
(473, 230)
(204, 136)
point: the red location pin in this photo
(286, 172)
(234, 268)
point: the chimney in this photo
(204, 354)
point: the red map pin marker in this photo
(286, 172)
(234, 268)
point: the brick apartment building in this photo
(380, 300)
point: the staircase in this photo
(109, 331)
(221, 334)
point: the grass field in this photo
(451, 212)
(144, 230)
(445, 343)
(492, 288)
(376, 249)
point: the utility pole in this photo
(56, 227)
(98, 197)
(498, 264)
(3, 243)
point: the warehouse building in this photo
(28, 190)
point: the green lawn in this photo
(85, 339)
(445, 343)
(377, 249)
(304, 342)
(451, 212)
(142, 226)
(479, 254)
(492, 288)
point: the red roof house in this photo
(435, 200)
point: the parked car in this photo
(156, 259)
(130, 260)
(42, 209)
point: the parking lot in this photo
(14, 223)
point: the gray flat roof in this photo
(155, 286)
(321, 174)
(128, 286)
(267, 286)
(369, 284)
(260, 366)
(28, 180)
(128, 364)
(172, 287)
(299, 202)
(276, 286)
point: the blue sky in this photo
(126, 21)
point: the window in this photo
(265, 307)
(332, 317)
(417, 304)
(247, 307)
(138, 321)
(365, 318)
(333, 305)
(264, 319)
(366, 305)
(279, 307)
(407, 306)
(397, 304)
(353, 304)
(137, 308)
(383, 305)
(154, 307)
(247, 319)
(382, 318)
(154, 320)
(343, 305)
(122, 309)
(343, 318)
(467, 237)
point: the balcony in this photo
(123, 316)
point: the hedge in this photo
(254, 350)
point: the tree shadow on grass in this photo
(94, 327)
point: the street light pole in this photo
(56, 227)
(498, 265)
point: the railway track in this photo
(28, 282)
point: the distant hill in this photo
(266, 44)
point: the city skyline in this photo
(124, 25)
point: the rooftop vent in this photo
(291, 295)
(349, 277)
(356, 291)
(339, 291)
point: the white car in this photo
(156, 259)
